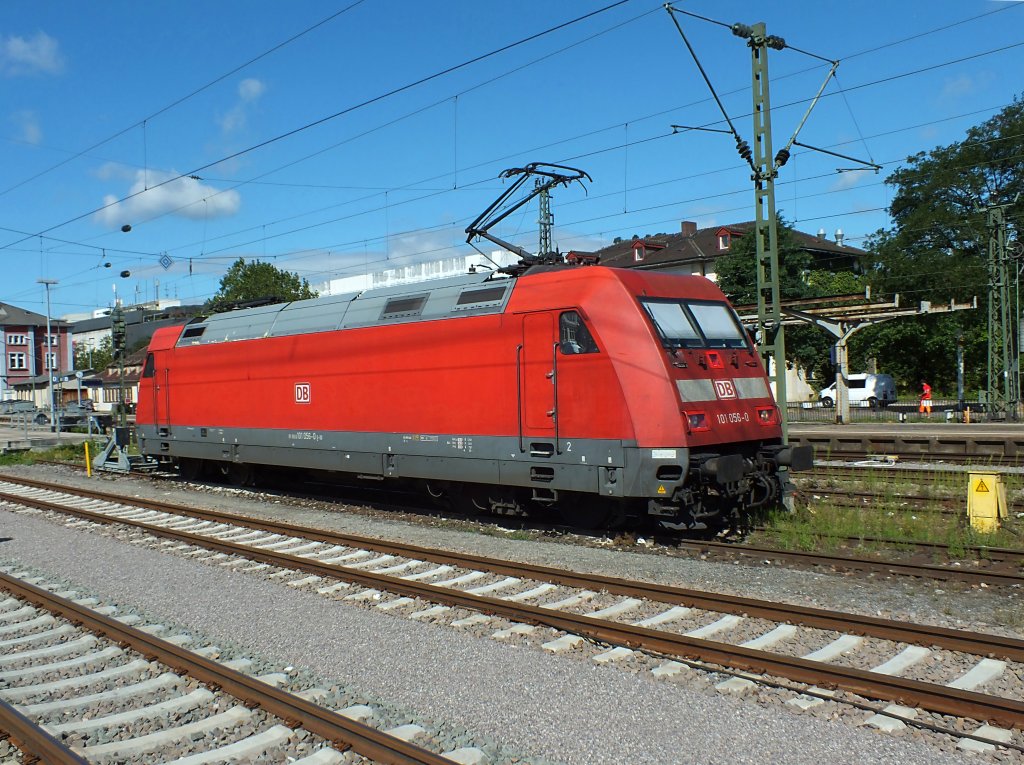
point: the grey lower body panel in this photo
(609, 468)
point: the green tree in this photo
(938, 250)
(807, 346)
(736, 272)
(245, 281)
(98, 358)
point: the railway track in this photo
(979, 461)
(72, 672)
(1005, 556)
(1006, 569)
(1000, 566)
(812, 648)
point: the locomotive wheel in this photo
(584, 513)
(241, 474)
(457, 497)
(470, 500)
(190, 469)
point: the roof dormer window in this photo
(638, 251)
(724, 240)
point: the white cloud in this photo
(250, 89)
(40, 53)
(848, 179)
(958, 86)
(184, 197)
(249, 92)
(29, 130)
(114, 170)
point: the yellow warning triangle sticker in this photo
(981, 487)
(661, 489)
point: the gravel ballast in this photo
(549, 707)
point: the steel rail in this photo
(843, 562)
(996, 553)
(980, 461)
(926, 570)
(293, 710)
(941, 699)
(1011, 649)
(35, 744)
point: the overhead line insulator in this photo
(744, 149)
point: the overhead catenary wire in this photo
(675, 108)
(960, 59)
(597, 218)
(183, 99)
(342, 112)
(561, 50)
(595, 197)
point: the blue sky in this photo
(302, 158)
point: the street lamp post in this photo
(54, 425)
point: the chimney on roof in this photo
(688, 228)
(821, 233)
(839, 236)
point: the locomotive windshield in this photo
(692, 324)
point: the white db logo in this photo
(302, 393)
(725, 389)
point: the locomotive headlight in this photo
(697, 421)
(768, 415)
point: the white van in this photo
(864, 389)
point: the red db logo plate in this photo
(725, 389)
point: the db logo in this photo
(302, 393)
(725, 389)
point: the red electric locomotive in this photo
(593, 391)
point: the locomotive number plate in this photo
(732, 418)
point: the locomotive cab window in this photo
(573, 335)
(719, 325)
(691, 324)
(150, 368)
(674, 324)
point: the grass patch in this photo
(63, 453)
(1010, 617)
(886, 524)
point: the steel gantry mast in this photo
(1003, 372)
(770, 336)
(545, 221)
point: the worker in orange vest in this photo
(926, 399)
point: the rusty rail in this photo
(1011, 649)
(850, 562)
(342, 732)
(988, 577)
(932, 697)
(35, 744)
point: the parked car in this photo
(17, 407)
(74, 414)
(865, 390)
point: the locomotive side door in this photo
(161, 389)
(537, 370)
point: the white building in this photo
(418, 272)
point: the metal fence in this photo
(901, 410)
